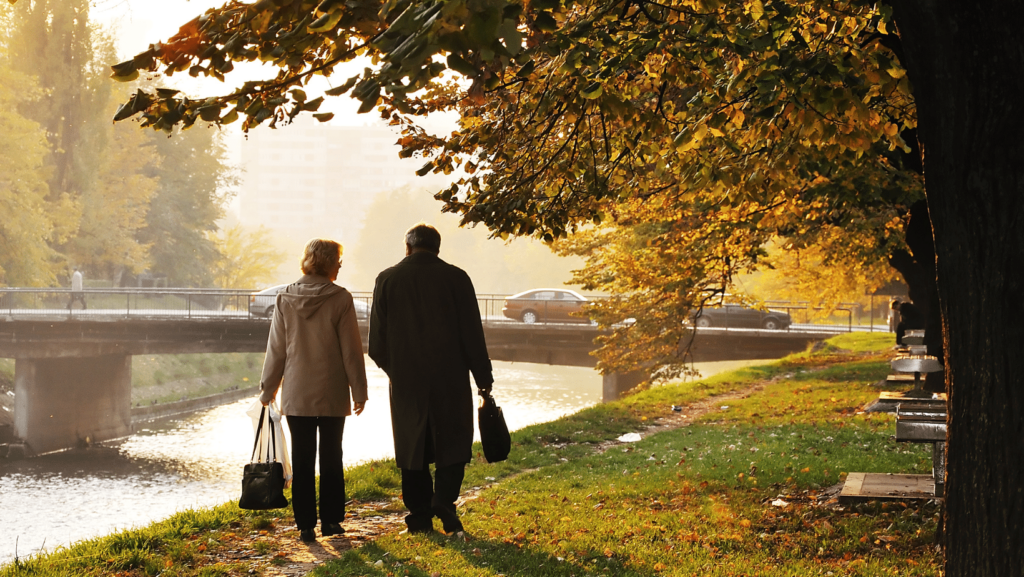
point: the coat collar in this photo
(421, 257)
(313, 279)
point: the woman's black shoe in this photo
(329, 529)
(307, 535)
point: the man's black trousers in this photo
(427, 497)
(332, 470)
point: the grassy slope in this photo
(166, 378)
(691, 501)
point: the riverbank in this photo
(162, 386)
(737, 482)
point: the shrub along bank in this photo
(743, 488)
(158, 379)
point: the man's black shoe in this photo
(329, 529)
(307, 535)
(449, 520)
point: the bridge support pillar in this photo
(63, 402)
(615, 384)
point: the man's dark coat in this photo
(426, 334)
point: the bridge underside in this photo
(64, 402)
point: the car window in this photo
(543, 295)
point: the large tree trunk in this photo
(966, 63)
(918, 270)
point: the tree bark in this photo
(918, 270)
(966, 63)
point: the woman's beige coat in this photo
(314, 353)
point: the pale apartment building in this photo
(311, 179)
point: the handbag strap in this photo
(273, 439)
(259, 430)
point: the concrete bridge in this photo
(73, 370)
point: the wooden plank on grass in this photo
(886, 486)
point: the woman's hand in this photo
(359, 407)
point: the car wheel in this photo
(529, 317)
(270, 312)
(703, 322)
(771, 324)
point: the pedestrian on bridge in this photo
(426, 334)
(76, 289)
(315, 357)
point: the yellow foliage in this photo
(247, 259)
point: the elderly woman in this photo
(315, 356)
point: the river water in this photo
(196, 460)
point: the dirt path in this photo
(370, 520)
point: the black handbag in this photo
(494, 434)
(263, 481)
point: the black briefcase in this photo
(494, 436)
(263, 481)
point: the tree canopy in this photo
(105, 197)
(25, 255)
(702, 129)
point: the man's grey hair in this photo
(425, 237)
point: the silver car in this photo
(261, 304)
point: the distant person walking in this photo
(76, 289)
(910, 319)
(315, 356)
(426, 334)
(894, 315)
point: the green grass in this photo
(166, 378)
(170, 548)
(691, 501)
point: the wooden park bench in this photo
(920, 418)
(925, 422)
(908, 370)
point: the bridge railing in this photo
(237, 303)
(125, 302)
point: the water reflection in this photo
(196, 460)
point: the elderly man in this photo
(426, 334)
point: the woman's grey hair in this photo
(319, 255)
(424, 236)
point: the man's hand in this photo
(484, 391)
(265, 403)
(359, 408)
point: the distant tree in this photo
(115, 204)
(116, 208)
(818, 275)
(51, 40)
(195, 181)
(247, 259)
(27, 225)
